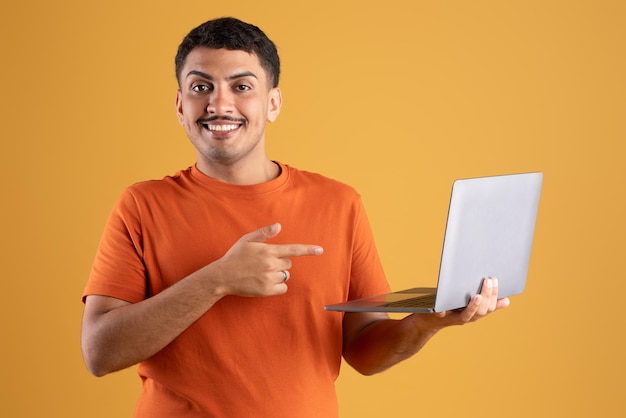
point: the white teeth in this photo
(222, 128)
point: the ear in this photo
(275, 103)
(179, 107)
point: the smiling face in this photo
(224, 102)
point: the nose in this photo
(220, 102)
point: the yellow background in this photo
(397, 98)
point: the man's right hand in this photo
(252, 267)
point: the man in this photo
(214, 279)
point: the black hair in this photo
(233, 34)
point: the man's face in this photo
(223, 103)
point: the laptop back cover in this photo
(489, 233)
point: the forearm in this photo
(118, 334)
(384, 343)
(373, 343)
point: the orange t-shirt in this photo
(246, 357)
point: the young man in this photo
(214, 279)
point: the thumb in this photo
(263, 234)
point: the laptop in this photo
(489, 233)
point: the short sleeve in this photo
(367, 273)
(118, 269)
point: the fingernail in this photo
(318, 250)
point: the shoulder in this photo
(158, 187)
(320, 183)
(156, 193)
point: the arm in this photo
(117, 334)
(373, 342)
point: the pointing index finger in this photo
(295, 250)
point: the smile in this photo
(221, 128)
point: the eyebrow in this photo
(232, 77)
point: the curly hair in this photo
(233, 34)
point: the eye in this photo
(200, 88)
(242, 87)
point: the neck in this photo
(241, 175)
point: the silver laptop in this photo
(489, 233)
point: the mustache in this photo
(222, 118)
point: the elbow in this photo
(95, 365)
(370, 371)
(95, 359)
(96, 372)
(365, 368)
